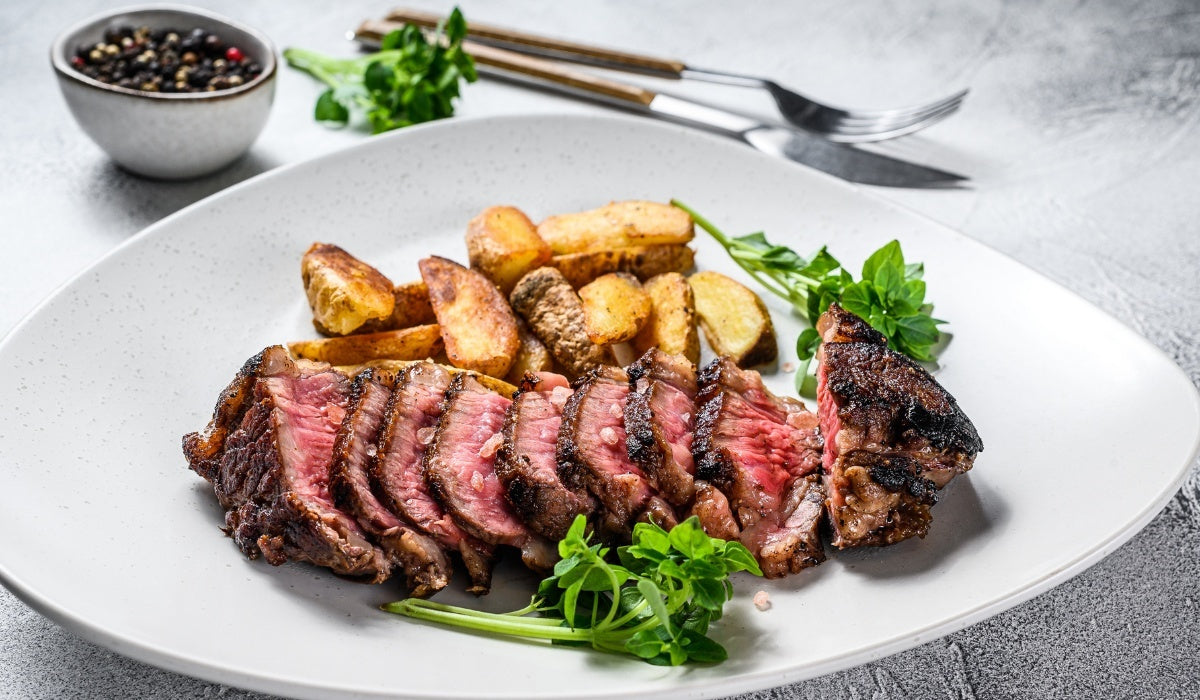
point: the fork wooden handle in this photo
(375, 30)
(568, 50)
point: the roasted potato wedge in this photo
(497, 385)
(478, 326)
(412, 305)
(555, 315)
(614, 308)
(642, 262)
(411, 309)
(734, 319)
(617, 225)
(672, 324)
(531, 357)
(503, 244)
(343, 291)
(416, 343)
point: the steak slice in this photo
(758, 449)
(893, 435)
(422, 560)
(460, 470)
(592, 454)
(397, 472)
(659, 418)
(526, 464)
(267, 453)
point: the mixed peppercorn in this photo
(165, 60)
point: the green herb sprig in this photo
(656, 604)
(410, 80)
(890, 294)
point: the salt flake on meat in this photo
(489, 448)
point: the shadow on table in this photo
(143, 201)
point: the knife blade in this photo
(840, 160)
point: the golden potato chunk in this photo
(531, 357)
(614, 308)
(617, 225)
(642, 262)
(416, 343)
(411, 309)
(497, 385)
(734, 319)
(503, 244)
(343, 291)
(478, 326)
(555, 315)
(672, 323)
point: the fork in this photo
(833, 123)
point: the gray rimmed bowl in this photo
(170, 136)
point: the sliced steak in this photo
(893, 435)
(659, 418)
(397, 472)
(526, 464)
(711, 507)
(758, 449)
(267, 454)
(422, 559)
(460, 470)
(592, 454)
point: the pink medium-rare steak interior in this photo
(459, 464)
(758, 449)
(398, 475)
(593, 454)
(526, 464)
(659, 419)
(272, 472)
(421, 559)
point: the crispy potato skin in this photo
(617, 225)
(416, 343)
(672, 324)
(343, 291)
(614, 308)
(642, 262)
(734, 319)
(499, 386)
(531, 357)
(412, 308)
(555, 315)
(478, 327)
(503, 244)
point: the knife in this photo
(839, 160)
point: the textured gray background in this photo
(1080, 136)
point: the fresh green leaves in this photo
(655, 604)
(890, 294)
(411, 80)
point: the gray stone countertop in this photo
(1080, 137)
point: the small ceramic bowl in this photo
(170, 136)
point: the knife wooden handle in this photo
(565, 49)
(374, 30)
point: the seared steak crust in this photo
(526, 463)
(592, 454)
(397, 472)
(460, 469)
(756, 447)
(659, 418)
(893, 435)
(423, 561)
(267, 454)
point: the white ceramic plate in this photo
(1089, 429)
